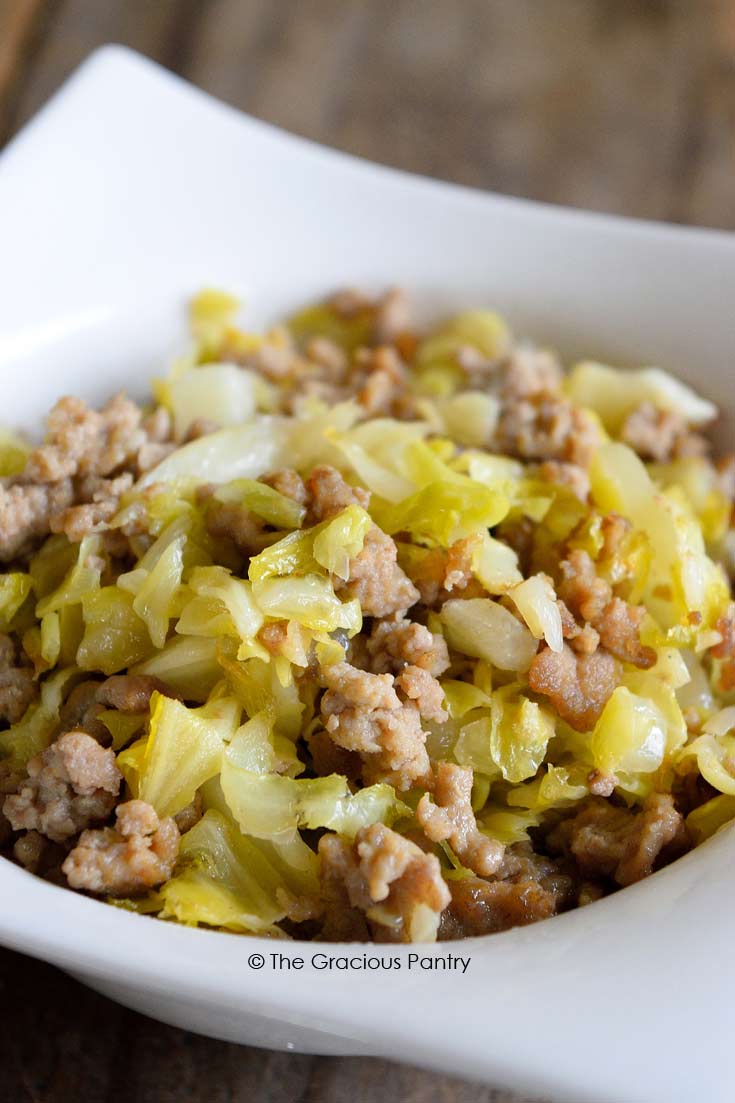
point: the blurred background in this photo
(617, 105)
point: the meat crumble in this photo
(233, 692)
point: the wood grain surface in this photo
(618, 105)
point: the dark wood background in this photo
(618, 105)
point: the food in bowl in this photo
(354, 632)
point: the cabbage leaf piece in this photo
(188, 664)
(15, 586)
(484, 629)
(222, 606)
(708, 818)
(258, 747)
(271, 806)
(310, 600)
(630, 735)
(715, 756)
(519, 735)
(681, 578)
(535, 600)
(443, 511)
(82, 579)
(241, 452)
(328, 546)
(482, 330)
(257, 687)
(14, 452)
(115, 637)
(612, 393)
(555, 788)
(225, 879)
(276, 509)
(221, 393)
(183, 749)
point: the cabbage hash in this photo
(358, 632)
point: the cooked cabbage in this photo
(13, 454)
(182, 750)
(272, 806)
(630, 736)
(519, 734)
(226, 880)
(484, 629)
(115, 637)
(265, 502)
(535, 600)
(612, 393)
(221, 393)
(241, 452)
(15, 586)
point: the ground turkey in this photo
(136, 854)
(610, 841)
(528, 887)
(449, 816)
(396, 643)
(376, 580)
(72, 784)
(362, 712)
(382, 874)
(578, 685)
(590, 599)
(17, 685)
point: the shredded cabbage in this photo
(519, 734)
(15, 586)
(495, 565)
(630, 736)
(612, 394)
(114, 637)
(443, 512)
(222, 606)
(182, 750)
(219, 586)
(222, 393)
(241, 452)
(553, 789)
(681, 577)
(13, 454)
(484, 629)
(463, 697)
(265, 502)
(708, 818)
(310, 600)
(190, 666)
(269, 805)
(257, 687)
(227, 880)
(83, 579)
(481, 330)
(535, 600)
(469, 418)
(715, 757)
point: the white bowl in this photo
(130, 191)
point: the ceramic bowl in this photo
(130, 191)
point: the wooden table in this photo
(618, 105)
